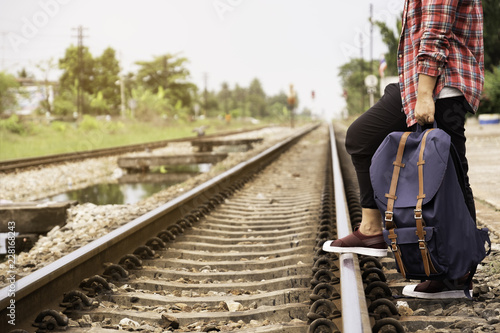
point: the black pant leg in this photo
(367, 132)
(450, 117)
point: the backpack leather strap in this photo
(391, 197)
(397, 253)
(420, 223)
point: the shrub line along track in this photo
(23, 163)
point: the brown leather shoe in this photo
(432, 289)
(359, 244)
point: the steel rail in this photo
(355, 316)
(38, 290)
(22, 163)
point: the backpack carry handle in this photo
(419, 128)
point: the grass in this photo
(41, 139)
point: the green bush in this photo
(8, 88)
(490, 102)
(113, 127)
(59, 126)
(150, 105)
(89, 123)
(14, 125)
(98, 104)
(64, 105)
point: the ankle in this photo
(369, 230)
(371, 223)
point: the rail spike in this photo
(156, 243)
(130, 261)
(324, 291)
(383, 308)
(166, 236)
(388, 325)
(323, 308)
(145, 252)
(115, 273)
(322, 325)
(50, 320)
(76, 300)
(95, 285)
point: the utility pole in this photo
(122, 86)
(122, 95)
(205, 92)
(362, 73)
(79, 102)
(371, 38)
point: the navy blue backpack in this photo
(427, 223)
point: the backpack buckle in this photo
(417, 214)
(388, 219)
(421, 244)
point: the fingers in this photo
(425, 120)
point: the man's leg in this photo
(362, 140)
(450, 117)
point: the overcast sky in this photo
(278, 41)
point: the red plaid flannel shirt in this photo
(441, 38)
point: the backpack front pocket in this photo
(404, 243)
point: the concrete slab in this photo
(33, 217)
(155, 178)
(207, 145)
(147, 161)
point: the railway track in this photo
(241, 252)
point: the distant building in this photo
(31, 94)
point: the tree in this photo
(71, 68)
(490, 99)
(97, 78)
(491, 30)
(391, 39)
(106, 80)
(256, 99)
(224, 97)
(76, 77)
(23, 74)
(169, 72)
(281, 98)
(352, 81)
(278, 106)
(240, 99)
(8, 87)
(211, 104)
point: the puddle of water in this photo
(131, 188)
(109, 194)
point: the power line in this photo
(205, 92)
